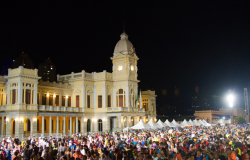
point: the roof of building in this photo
(124, 46)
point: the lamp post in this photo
(230, 99)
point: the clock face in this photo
(132, 68)
(120, 67)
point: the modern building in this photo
(47, 70)
(77, 102)
(221, 116)
(23, 60)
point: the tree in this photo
(241, 120)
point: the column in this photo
(4, 98)
(66, 101)
(1, 99)
(114, 123)
(83, 95)
(35, 94)
(8, 94)
(128, 121)
(57, 124)
(127, 96)
(114, 95)
(64, 125)
(42, 125)
(47, 99)
(119, 122)
(83, 126)
(2, 126)
(50, 125)
(72, 100)
(76, 125)
(54, 99)
(106, 127)
(94, 97)
(41, 97)
(24, 96)
(60, 99)
(70, 127)
(104, 96)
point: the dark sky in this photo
(181, 44)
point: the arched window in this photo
(45, 124)
(69, 124)
(37, 122)
(88, 125)
(100, 125)
(27, 125)
(120, 98)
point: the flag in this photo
(136, 100)
(140, 100)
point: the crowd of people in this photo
(200, 143)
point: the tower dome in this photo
(124, 46)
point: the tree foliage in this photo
(241, 120)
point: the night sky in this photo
(180, 44)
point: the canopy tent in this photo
(167, 123)
(126, 129)
(191, 122)
(197, 123)
(160, 124)
(141, 125)
(185, 123)
(205, 123)
(153, 125)
(175, 123)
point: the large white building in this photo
(77, 102)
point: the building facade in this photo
(77, 102)
(47, 70)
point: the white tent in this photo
(175, 123)
(197, 123)
(185, 123)
(160, 124)
(126, 129)
(140, 125)
(167, 123)
(191, 122)
(205, 123)
(153, 125)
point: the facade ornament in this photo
(132, 50)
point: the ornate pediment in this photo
(77, 91)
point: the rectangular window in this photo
(109, 100)
(38, 98)
(57, 100)
(69, 101)
(51, 100)
(99, 101)
(77, 101)
(88, 101)
(44, 99)
(63, 100)
(13, 96)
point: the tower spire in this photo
(123, 26)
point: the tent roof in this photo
(167, 123)
(185, 123)
(160, 123)
(153, 125)
(140, 125)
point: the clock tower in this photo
(124, 60)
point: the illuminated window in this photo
(120, 98)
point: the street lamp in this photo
(230, 100)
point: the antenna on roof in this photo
(123, 26)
